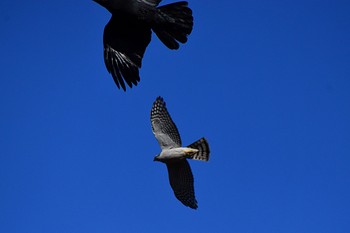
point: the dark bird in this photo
(128, 33)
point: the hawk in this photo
(128, 33)
(174, 155)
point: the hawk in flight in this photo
(128, 33)
(174, 155)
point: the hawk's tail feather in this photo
(175, 23)
(203, 150)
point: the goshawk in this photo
(174, 155)
(128, 33)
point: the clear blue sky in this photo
(266, 82)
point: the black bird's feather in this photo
(128, 33)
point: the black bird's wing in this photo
(151, 2)
(125, 40)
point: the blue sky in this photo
(266, 82)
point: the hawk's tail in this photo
(174, 24)
(203, 150)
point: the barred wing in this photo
(181, 181)
(163, 126)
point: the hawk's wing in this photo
(181, 181)
(125, 41)
(163, 126)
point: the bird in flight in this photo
(128, 33)
(174, 155)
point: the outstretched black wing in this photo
(125, 40)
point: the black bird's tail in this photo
(174, 23)
(203, 150)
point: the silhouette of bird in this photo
(174, 155)
(128, 33)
